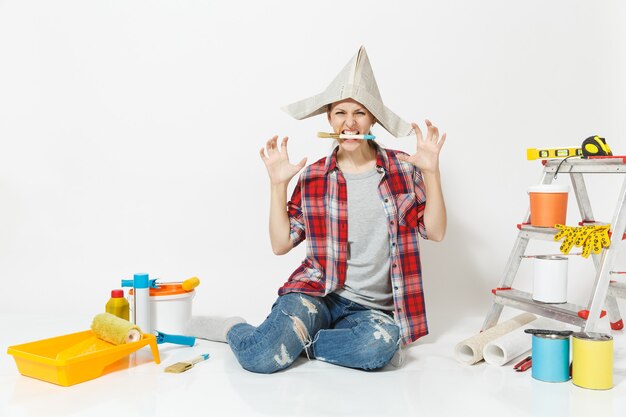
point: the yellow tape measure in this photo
(552, 153)
(596, 146)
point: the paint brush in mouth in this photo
(326, 135)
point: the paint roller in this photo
(113, 329)
(107, 329)
(187, 285)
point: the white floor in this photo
(431, 383)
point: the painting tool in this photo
(174, 338)
(342, 136)
(187, 285)
(179, 367)
(114, 329)
(107, 330)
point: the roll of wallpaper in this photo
(114, 329)
(511, 345)
(470, 350)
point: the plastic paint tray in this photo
(75, 358)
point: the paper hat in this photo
(355, 81)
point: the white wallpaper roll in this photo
(470, 350)
(511, 345)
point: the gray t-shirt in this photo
(367, 276)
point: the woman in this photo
(358, 293)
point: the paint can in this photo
(550, 356)
(592, 360)
(550, 279)
(548, 204)
(170, 308)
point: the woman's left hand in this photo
(426, 158)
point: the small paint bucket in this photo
(550, 356)
(550, 279)
(592, 360)
(170, 308)
(548, 204)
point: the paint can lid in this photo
(551, 257)
(549, 188)
(598, 337)
(553, 336)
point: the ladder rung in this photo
(548, 233)
(564, 312)
(617, 289)
(615, 165)
(533, 232)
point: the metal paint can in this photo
(592, 360)
(550, 358)
(550, 279)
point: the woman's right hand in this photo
(280, 170)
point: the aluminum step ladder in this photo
(604, 291)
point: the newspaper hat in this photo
(355, 81)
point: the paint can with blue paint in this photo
(550, 357)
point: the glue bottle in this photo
(118, 305)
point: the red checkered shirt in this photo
(318, 212)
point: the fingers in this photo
(302, 163)
(418, 131)
(442, 140)
(433, 132)
(283, 146)
(271, 145)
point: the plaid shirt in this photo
(318, 211)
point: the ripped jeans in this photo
(331, 329)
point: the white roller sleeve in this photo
(470, 350)
(511, 345)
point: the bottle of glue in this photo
(118, 305)
(141, 301)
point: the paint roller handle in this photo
(190, 283)
(549, 332)
(175, 339)
(187, 285)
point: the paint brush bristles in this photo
(342, 136)
(179, 367)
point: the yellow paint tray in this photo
(74, 358)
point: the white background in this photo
(130, 131)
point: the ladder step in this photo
(565, 312)
(541, 233)
(587, 166)
(547, 233)
(617, 289)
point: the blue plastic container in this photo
(550, 358)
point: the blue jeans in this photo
(331, 329)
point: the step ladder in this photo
(604, 291)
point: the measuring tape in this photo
(592, 146)
(552, 153)
(596, 146)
